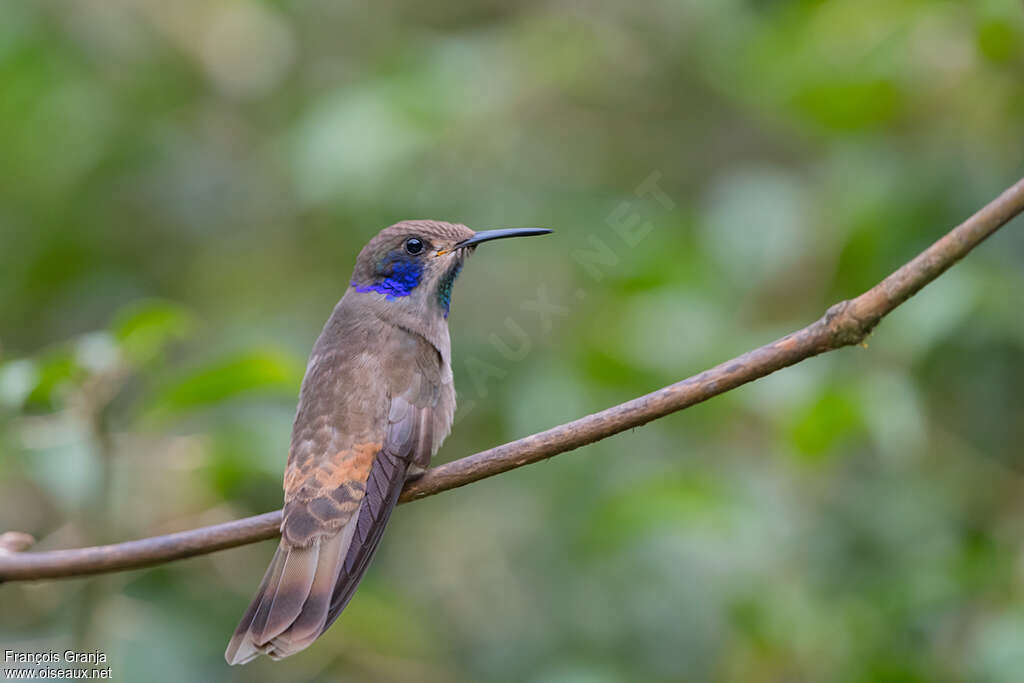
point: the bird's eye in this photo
(414, 245)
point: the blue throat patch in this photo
(444, 292)
(400, 279)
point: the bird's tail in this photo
(306, 588)
(291, 605)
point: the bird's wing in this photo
(413, 431)
(336, 508)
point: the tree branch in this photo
(844, 324)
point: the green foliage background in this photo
(184, 187)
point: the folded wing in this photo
(335, 512)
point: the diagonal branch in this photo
(844, 324)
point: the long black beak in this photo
(488, 235)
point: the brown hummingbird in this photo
(376, 402)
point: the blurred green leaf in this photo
(998, 40)
(851, 104)
(144, 329)
(262, 372)
(56, 372)
(675, 502)
(830, 420)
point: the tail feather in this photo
(242, 649)
(296, 578)
(308, 625)
(283, 602)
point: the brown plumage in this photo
(376, 402)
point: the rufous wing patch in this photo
(313, 478)
(352, 465)
(319, 500)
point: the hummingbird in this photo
(377, 400)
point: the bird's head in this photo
(413, 264)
